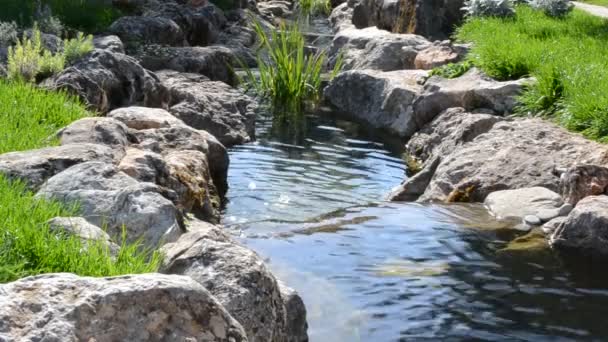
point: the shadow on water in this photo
(311, 201)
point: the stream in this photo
(312, 205)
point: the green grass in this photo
(29, 118)
(288, 76)
(567, 56)
(314, 7)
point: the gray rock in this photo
(581, 181)
(547, 215)
(376, 49)
(215, 107)
(109, 198)
(238, 278)
(532, 220)
(107, 80)
(549, 227)
(141, 30)
(382, 99)
(36, 166)
(275, 9)
(149, 307)
(565, 209)
(81, 228)
(111, 43)
(297, 327)
(215, 62)
(341, 17)
(519, 203)
(436, 55)
(49, 41)
(140, 118)
(95, 130)
(585, 229)
(471, 91)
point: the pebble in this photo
(532, 220)
(565, 209)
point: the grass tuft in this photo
(567, 56)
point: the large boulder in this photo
(439, 54)
(139, 118)
(512, 154)
(381, 99)
(215, 62)
(149, 307)
(109, 198)
(341, 17)
(140, 30)
(213, 106)
(34, 167)
(111, 43)
(107, 80)
(581, 181)
(83, 230)
(435, 19)
(372, 48)
(238, 278)
(95, 130)
(585, 230)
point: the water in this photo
(369, 270)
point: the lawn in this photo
(29, 117)
(568, 57)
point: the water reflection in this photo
(375, 271)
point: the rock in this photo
(109, 198)
(414, 187)
(148, 307)
(95, 130)
(111, 43)
(81, 228)
(376, 49)
(275, 9)
(36, 166)
(382, 99)
(238, 278)
(141, 30)
(546, 215)
(532, 220)
(49, 41)
(520, 203)
(435, 19)
(140, 118)
(107, 80)
(581, 181)
(565, 209)
(297, 327)
(215, 62)
(521, 153)
(215, 107)
(584, 231)
(201, 25)
(472, 90)
(529, 246)
(549, 227)
(341, 17)
(436, 55)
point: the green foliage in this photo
(29, 116)
(452, 70)
(314, 7)
(77, 47)
(83, 15)
(289, 76)
(567, 56)
(28, 59)
(50, 24)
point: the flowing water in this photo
(312, 205)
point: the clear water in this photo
(369, 270)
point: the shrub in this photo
(8, 33)
(77, 47)
(489, 8)
(553, 8)
(289, 77)
(28, 60)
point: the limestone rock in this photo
(376, 49)
(549, 227)
(95, 130)
(584, 231)
(238, 278)
(215, 107)
(436, 55)
(519, 203)
(148, 307)
(111, 43)
(297, 327)
(110, 198)
(142, 30)
(81, 228)
(215, 62)
(381, 99)
(581, 181)
(140, 118)
(36, 166)
(107, 80)
(341, 17)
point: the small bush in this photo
(77, 47)
(8, 33)
(489, 8)
(28, 60)
(553, 8)
(452, 70)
